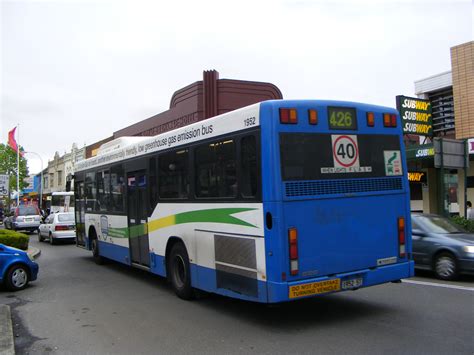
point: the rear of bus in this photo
(336, 197)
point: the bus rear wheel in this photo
(99, 260)
(179, 272)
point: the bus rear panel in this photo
(336, 198)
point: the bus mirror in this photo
(68, 186)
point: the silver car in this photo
(58, 226)
(24, 218)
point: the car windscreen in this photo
(316, 156)
(27, 211)
(436, 224)
(65, 217)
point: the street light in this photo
(41, 182)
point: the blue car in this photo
(17, 268)
(441, 246)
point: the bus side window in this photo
(248, 156)
(153, 183)
(173, 174)
(103, 191)
(117, 188)
(216, 173)
(90, 191)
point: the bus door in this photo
(80, 214)
(137, 217)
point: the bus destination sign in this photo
(416, 115)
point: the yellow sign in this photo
(416, 177)
(315, 288)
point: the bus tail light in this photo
(389, 120)
(401, 237)
(370, 119)
(288, 115)
(313, 117)
(293, 241)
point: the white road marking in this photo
(439, 285)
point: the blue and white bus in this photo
(277, 201)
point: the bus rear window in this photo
(315, 156)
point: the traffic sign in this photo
(345, 151)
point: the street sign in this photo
(4, 179)
(450, 153)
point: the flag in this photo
(12, 142)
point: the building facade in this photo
(59, 172)
(440, 186)
(196, 102)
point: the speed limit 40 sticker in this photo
(345, 153)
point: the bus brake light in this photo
(288, 115)
(293, 241)
(401, 237)
(393, 119)
(370, 119)
(389, 120)
(313, 117)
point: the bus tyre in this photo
(17, 278)
(445, 266)
(99, 260)
(179, 272)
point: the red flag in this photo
(12, 141)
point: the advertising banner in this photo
(416, 115)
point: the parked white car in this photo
(57, 226)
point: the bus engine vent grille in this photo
(346, 186)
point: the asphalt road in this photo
(78, 307)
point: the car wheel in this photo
(17, 278)
(99, 260)
(40, 237)
(51, 239)
(179, 272)
(445, 266)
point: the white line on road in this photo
(439, 285)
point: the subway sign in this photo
(420, 151)
(417, 176)
(416, 115)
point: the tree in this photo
(8, 166)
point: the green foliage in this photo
(8, 166)
(467, 224)
(14, 239)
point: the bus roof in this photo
(124, 148)
(127, 148)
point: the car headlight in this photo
(468, 248)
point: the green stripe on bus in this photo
(216, 215)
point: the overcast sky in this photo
(76, 71)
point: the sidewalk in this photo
(7, 344)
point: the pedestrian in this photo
(470, 211)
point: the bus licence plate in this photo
(314, 288)
(352, 283)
